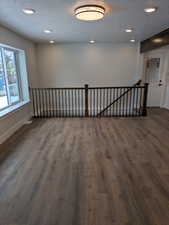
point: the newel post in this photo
(86, 100)
(144, 113)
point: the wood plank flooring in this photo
(87, 172)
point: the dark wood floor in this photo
(87, 172)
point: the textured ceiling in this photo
(57, 15)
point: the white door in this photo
(153, 74)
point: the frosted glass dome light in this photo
(90, 12)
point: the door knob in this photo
(160, 83)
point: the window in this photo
(153, 70)
(13, 78)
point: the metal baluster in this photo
(33, 100)
(72, 96)
(137, 101)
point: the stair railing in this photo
(118, 98)
(88, 101)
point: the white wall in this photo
(11, 122)
(167, 98)
(97, 64)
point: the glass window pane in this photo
(12, 75)
(153, 70)
(3, 92)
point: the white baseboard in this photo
(13, 129)
(166, 107)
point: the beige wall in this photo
(69, 65)
(9, 123)
(77, 64)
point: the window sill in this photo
(13, 108)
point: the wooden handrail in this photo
(117, 99)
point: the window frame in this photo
(3, 65)
(22, 80)
(18, 75)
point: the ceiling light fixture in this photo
(47, 31)
(28, 11)
(129, 30)
(132, 40)
(158, 40)
(150, 10)
(90, 12)
(52, 42)
(92, 41)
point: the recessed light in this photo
(28, 11)
(47, 31)
(150, 10)
(52, 42)
(132, 40)
(92, 41)
(129, 30)
(158, 40)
